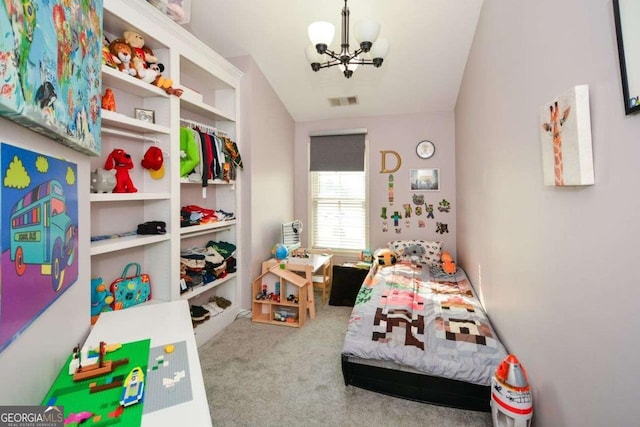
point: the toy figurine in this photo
(511, 400)
(109, 100)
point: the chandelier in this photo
(366, 32)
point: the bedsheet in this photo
(418, 316)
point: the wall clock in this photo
(425, 149)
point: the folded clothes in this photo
(152, 227)
(225, 249)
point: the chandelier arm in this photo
(332, 54)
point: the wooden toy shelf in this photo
(270, 291)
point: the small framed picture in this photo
(148, 116)
(424, 179)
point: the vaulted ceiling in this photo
(430, 42)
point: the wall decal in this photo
(391, 189)
(444, 206)
(418, 199)
(442, 228)
(429, 209)
(383, 168)
(566, 139)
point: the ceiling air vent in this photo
(344, 101)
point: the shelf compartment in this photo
(127, 197)
(205, 110)
(200, 289)
(198, 230)
(120, 121)
(111, 245)
(116, 79)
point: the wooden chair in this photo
(323, 277)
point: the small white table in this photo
(163, 323)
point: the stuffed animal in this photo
(385, 257)
(108, 58)
(143, 61)
(124, 54)
(447, 263)
(103, 181)
(415, 252)
(119, 160)
(101, 299)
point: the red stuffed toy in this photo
(121, 161)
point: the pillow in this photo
(408, 250)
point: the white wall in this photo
(266, 146)
(30, 364)
(556, 267)
(400, 134)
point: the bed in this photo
(418, 333)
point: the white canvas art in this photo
(565, 123)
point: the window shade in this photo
(337, 153)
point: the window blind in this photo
(337, 153)
(339, 208)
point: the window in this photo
(338, 193)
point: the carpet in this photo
(267, 375)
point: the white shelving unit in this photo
(192, 65)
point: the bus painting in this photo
(42, 233)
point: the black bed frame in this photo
(418, 387)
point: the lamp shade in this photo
(312, 55)
(321, 32)
(380, 49)
(366, 30)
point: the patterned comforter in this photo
(427, 320)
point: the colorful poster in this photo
(39, 224)
(50, 64)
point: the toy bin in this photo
(285, 314)
(177, 10)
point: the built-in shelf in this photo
(119, 243)
(116, 79)
(200, 289)
(125, 197)
(120, 121)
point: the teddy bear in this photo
(101, 298)
(103, 181)
(119, 160)
(144, 62)
(122, 54)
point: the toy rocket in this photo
(511, 400)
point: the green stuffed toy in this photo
(189, 152)
(101, 299)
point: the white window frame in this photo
(310, 209)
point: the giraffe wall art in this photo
(565, 125)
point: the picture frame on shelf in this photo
(144, 115)
(424, 179)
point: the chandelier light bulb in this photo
(366, 33)
(379, 51)
(321, 33)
